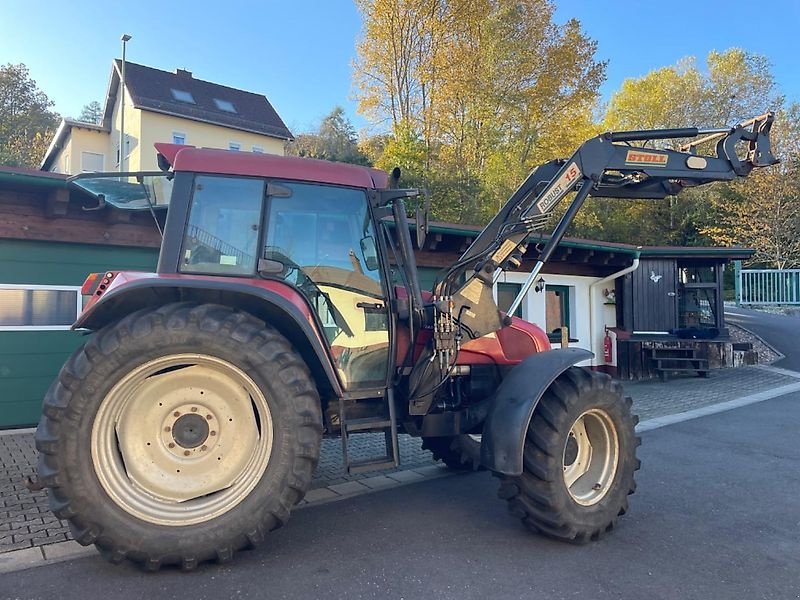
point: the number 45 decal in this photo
(572, 172)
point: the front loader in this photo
(286, 307)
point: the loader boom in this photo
(606, 166)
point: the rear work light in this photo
(97, 283)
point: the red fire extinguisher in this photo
(607, 347)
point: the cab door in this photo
(322, 240)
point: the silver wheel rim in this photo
(591, 456)
(182, 439)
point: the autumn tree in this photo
(488, 86)
(91, 113)
(763, 211)
(734, 85)
(27, 120)
(335, 139)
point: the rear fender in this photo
(513, 405)
(296, 325)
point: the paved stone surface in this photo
(362, 446)
(26, 522)
(655, 398)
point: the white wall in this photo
(533, 310)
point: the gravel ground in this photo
(766, 354)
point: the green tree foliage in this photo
(484, 84)
(27, 121)
(334, 140)
(91, 113)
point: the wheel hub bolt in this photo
(171, 445)
(166, 428)
(204, 448)
(213, 433)
(186, 453)
(194, 409)
(209, 417)
(176, 414)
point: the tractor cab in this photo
(303, 234)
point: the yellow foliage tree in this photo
(492, 87)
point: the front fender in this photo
(513, 405)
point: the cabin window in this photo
(224, 225)
(557, 309)
(38, 307)
(225, 105)
(182, 96)
(92, 162)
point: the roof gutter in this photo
(30, 179)
(596, 284)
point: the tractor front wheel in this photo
(179, 435)
(579, 459)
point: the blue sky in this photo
(299, 52)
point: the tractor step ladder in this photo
(385, 422)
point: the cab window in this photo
(224, 226)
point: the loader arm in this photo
(604, 166)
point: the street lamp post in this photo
(125, 39)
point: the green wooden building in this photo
(49, 240)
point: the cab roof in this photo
(226, 162)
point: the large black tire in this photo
(458, 452)
(68, 467)
(541, 496)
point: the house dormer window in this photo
(225, 105)
(182, 96)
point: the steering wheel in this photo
(306, 285)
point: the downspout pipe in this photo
(634, 265)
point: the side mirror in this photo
(370, 253)
(421, 217)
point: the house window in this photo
(225, 105)
(235, 146)
(38, 307)
(182, 96)
(178, 137)
(506, 292)
(557, 313)
(258, 149)
(91, 162)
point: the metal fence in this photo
(767, 286)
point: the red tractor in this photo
(286, 307)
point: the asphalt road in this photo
(717, 515)
(780, 331)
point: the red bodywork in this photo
(123, 278)
(225, 162)
(509, 346)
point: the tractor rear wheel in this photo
(458, 452)
(179, 435)
(579, 459)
